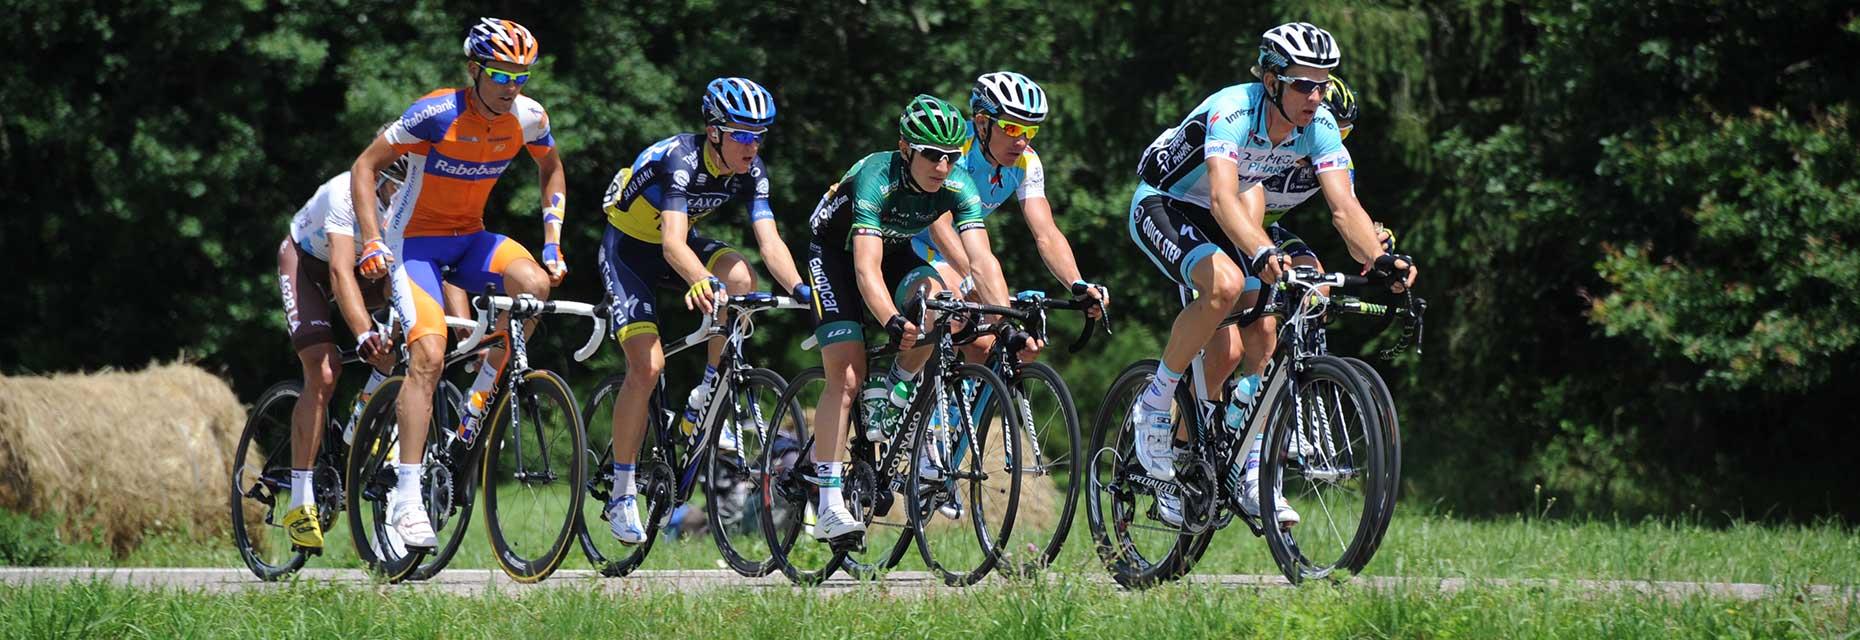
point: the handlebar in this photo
(526, 306)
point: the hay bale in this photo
(120, 454)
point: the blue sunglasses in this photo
(501, 76)
(745, 136)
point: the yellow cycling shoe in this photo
(306, 535)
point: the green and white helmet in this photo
(932, 121)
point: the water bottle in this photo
(1242, 404)
(687, 424)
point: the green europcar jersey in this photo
(876, 198)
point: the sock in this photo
(899, 374)
(409, 481)
(1251, 475)
(623, 480)
(1156, 397)
(302, 490)
(375, 378)
(830, 484)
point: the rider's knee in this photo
(426, 356)
(527, 277)
(1225, 284)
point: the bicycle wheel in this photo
(875, 494)
(449, 497)
(977, 438)
(1391, 444)
(787, 499)
(733, 477)
(1051, 468)
(1325, 456)
(1135, 544)
(653, 478)
(261, 483)
(371, 475)
(533, 474)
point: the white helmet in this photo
(1298, 43)
(1010, 94)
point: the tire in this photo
(875, 471)
(1391, 444)
(1338, 463)
(260, 483)
(982, 475)
(1054, 468)
(533, 477)
(1139, 550)
(787, 498)
(370, 476)
(732, 480)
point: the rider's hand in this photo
(554, 263)
(1094, 291)
(1269, 265)
(1386, 236)
(1026, 346)
(375, 349)
(902, 330)
(704, 293)
(376, 258)
(1388, 265)
(802, 292)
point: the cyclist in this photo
(1007, 110)
(651, 206)
(316, 262)
(1200, 201)
(860, 260)
(461, 140)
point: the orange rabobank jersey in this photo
(457, 157)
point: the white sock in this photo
(623, 480)
(899, 374)
(830, 485)
(303, 491)
(409, 481)
(1251, 473)
(375, 378)
(1156, 396)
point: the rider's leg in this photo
(645, 360)
(738, 278)
(845, 368)
(322, 366)
(1219, 281)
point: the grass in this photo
(1055, 608)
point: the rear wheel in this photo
(734, 478)
(261, 484)
(371, 476)
(533, 477)
(1131, 538)
(787, 498)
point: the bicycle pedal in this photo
(851, 543)
(309, 551)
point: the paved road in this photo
(473, 581)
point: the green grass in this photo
(1060, 608)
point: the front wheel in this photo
(1326, 455)
(534, 471)
(975, 440)
(1051, 468)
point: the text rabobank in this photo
(463, 170)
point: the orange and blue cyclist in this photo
(460, 140)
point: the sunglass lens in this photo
(746, 137)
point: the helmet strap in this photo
(478, 90)
(1277, 99)
(982, 137)
(910, 177)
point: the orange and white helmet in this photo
(496, 39)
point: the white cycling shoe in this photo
(411, 525)
(1282, 510)
(836, 523)
(1169, 509)
(623, 520)
(1155, 441)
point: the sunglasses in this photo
(501, 76)
(1305, 85)
(935, 155)
(745, 136)
(1017, 130)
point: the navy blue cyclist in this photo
(651, 207)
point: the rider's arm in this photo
(1347, 214)
(1242, 216)
(674, 228)
(342, 280)
(868, 258)
(990, 284)
(1052, 244)
(943, 233)
(554, 183)
(362, 175)
(775, 255)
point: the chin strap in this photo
(1278, 101)
(479, 93)
(911, 178)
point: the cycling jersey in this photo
(331, 210)
(1025, 179)
(876, 197)
(457, 158)
(1293, 187)
(675, 175)
(1231, 124)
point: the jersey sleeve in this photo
(674, 180)
(341, 216)
(1227, 122)
(423, 124)
(1327, 151)
(1033, 182)
(758, 187)
(868, 180)
(537, 137)
(964, 203)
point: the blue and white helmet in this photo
(1005, 93)
(738, 101)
